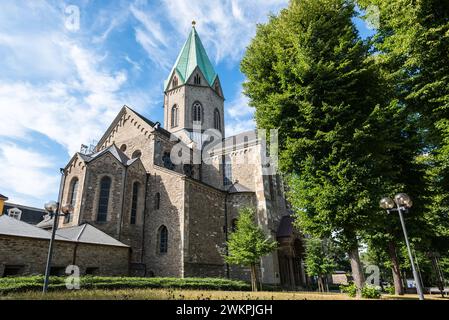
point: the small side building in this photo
(24, 248)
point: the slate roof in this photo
(2, 197)
(13, 227)
(238, 188)
(29, 214)
(116, 152)
(85, 233)
(285, 227)
(193, 55)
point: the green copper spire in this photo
(193, 55)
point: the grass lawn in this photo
(182, 294)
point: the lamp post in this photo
(403, 202)
(53, 209)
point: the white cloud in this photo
(240, 116)
(226, 26)
(151, 36)
(69, 112)
(23, 172)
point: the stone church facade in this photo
(172, 194)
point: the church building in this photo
(172, 193)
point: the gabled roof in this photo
(13, 227)
(193, 55)
(2, 197)
(238, 188)
(285, 227)
(87, 233)
(125, 109)
(112, 149)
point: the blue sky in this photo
(61, 86)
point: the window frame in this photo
(134, 203)
(197, 112)
(174, 119)
(162, 243)
(105, 206)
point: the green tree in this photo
(312, 77)
(319, 260)
(248, 243)
(412, 44)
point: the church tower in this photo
(192, 92)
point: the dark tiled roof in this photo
(116, 152)
(285, 227)
(87, 233)
(82, 234)
(29, 214)
(237, 188)
(151, 123)
(3, 197)
(13, 227)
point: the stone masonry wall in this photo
(205, 238)
(106, 165)
(132, 234)
(171, 189)
(31, 254)
(75, 170)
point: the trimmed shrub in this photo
(350, 289)
(35, 283)
(370, 292)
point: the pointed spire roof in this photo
(193, 55)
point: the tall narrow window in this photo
(174, 116)
(227, 171)
(134, 202)
(175, 81)
(157, 201)
(217, 120)
(163, 239)
(197, 111)
(72, 198)
(103, 201)
(197, 79)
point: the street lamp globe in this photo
(67, 208)
(403, 200)
(386, 203)
(51, 206)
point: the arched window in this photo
(175, 81)
(174, 116)
(197, 79)
(72, 198)
(136, 154)
(134, 202)
(197, 111)
(157, 201)
(162, 236)
(103, 201)
(217, 120)
(227, 171)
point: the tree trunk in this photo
(254, 285)
(395, 268)
(320, 284)
(357, 271)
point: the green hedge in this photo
(35, 283)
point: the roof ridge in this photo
(81, 232)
